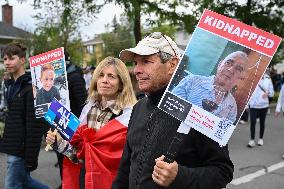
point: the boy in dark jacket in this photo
(23, 132)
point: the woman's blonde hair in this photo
(126, 95)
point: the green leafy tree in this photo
(58, 26)
(263, 14)
(121, 37)
(158, 12)
(166, 29)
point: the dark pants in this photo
(245, 115)
(254, 114)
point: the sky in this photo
(23, 18)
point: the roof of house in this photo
(10, 32)
(95, 41)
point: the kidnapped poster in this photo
(221, 66)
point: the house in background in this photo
(8, 32)
(92, 51)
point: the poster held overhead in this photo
(216, 76)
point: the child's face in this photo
(47, 79)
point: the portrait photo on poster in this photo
(49, 81)
(218, 75)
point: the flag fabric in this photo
(70, 174)
(101, 151)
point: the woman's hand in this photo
(52, 137)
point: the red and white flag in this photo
(101, 151)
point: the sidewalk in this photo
(45, 173)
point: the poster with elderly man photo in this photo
(220, 68)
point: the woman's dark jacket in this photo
(203, 164)
(23, 132)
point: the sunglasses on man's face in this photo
(159, 35)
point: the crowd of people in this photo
(121, 141)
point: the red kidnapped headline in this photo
(49, 56)
(241, 33)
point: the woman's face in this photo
(108, 83)
(47, 79)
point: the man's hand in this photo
(164, 173)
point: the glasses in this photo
(159, 35)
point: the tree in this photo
(121, 37)
(58, 25)
(166, 29)
(263, 14)
(160, 11)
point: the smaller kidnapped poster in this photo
(221, 66)
(49, 80)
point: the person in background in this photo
(258, 106)
(23, 132)
(4, 96)
(77, 97)
(244, 117)
(200, 162)
(88, 72)
(111, 94)
(6, 77)
(280, 105)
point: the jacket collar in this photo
(156, 96)
(25, 78)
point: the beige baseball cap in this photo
(151, 44)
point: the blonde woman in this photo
(99, 140)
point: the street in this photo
(261, 167)
(250, 160)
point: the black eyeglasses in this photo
(159, 35)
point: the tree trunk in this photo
(247, 18)
(137, 22)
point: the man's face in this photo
(230, 72)
(47, 79)
(150, 73)
(13, 64)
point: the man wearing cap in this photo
(213, 93)
(200, 162)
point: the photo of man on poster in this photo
(214, 93)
